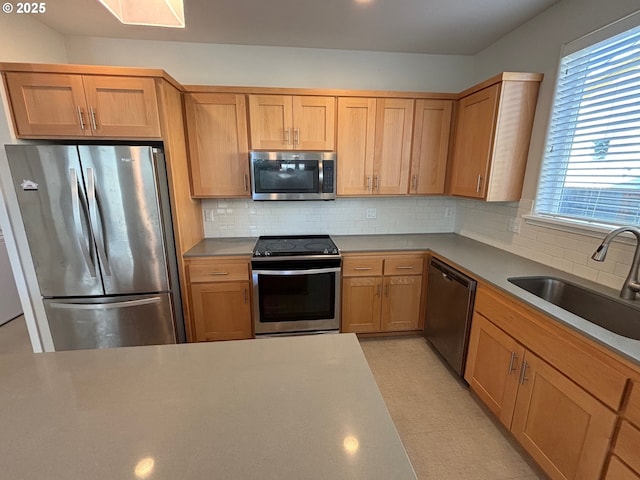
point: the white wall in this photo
(22, 39)
(535, 47)
(205, 64)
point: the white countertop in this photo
(276, 408)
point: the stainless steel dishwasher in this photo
(450, 297)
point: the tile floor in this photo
(14, 337)
(446, 433)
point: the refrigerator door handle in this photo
(82, 240)
(95, 221)
(105, 306)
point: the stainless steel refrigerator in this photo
(98, 223)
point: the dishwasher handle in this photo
(450, 273)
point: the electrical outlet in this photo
(448, 212)
(514, 225)
(208, 214)
(370, 213)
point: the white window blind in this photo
(591, 167)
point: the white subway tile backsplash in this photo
(344, 216)
(568, 251)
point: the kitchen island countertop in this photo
(277, 408)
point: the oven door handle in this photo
(310, 271)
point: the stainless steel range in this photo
(296, 285)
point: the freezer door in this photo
(110, 321)
(50, 190)
(122, 192)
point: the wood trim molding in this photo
(502, 77)
(89, 70)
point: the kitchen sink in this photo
(606, 312)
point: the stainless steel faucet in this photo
(631, 285)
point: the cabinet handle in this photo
(287, 136)
(296, 136)
(479, 183)
(414, 183)
(368, 183)
(377, 182)
(92, 113)
(213, 274)
(523, 373)
(80, 117)
(363, 268)
(512, 363)
(401, 267)
(245, 179)
(244, 296)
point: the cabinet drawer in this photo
(403, 265)
(619, 471)
(218, 272)
(628, 445)
(362, 266)
(566, 351)
(632, 410)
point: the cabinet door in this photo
(356, 134)
(48, 105)
(221, 311)
(430, 146)
(314, 123)
(563, 428)
(492, 368)
(218, 144)
(361, 304)
(392, 157)
(124, 107)
(619, 471)
(401, 303)
(271, 122)
(473, 144)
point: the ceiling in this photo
(446, 27)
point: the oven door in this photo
(294, 299)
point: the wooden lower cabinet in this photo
(564, 428)
(220, 296)
(376, 299)
(617, 470)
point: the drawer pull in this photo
(401, 267)
(213, 274)
(363, 268)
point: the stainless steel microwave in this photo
(293, 175)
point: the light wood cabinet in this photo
(218, 144)
(560, 423)
(220, 298)
(493, 131)
(284, 122)
(374, 146)
(381, 293)
(625, 461)
(619, 471)
(48, 105)
(430, 147)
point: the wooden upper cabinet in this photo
(356, 134)
(218, 144)
(431, 130)
(47, 105)
(493, 131)
(374, 145)
(122, 106)
(283, 122)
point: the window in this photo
(591, 167)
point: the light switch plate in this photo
(370, 213)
